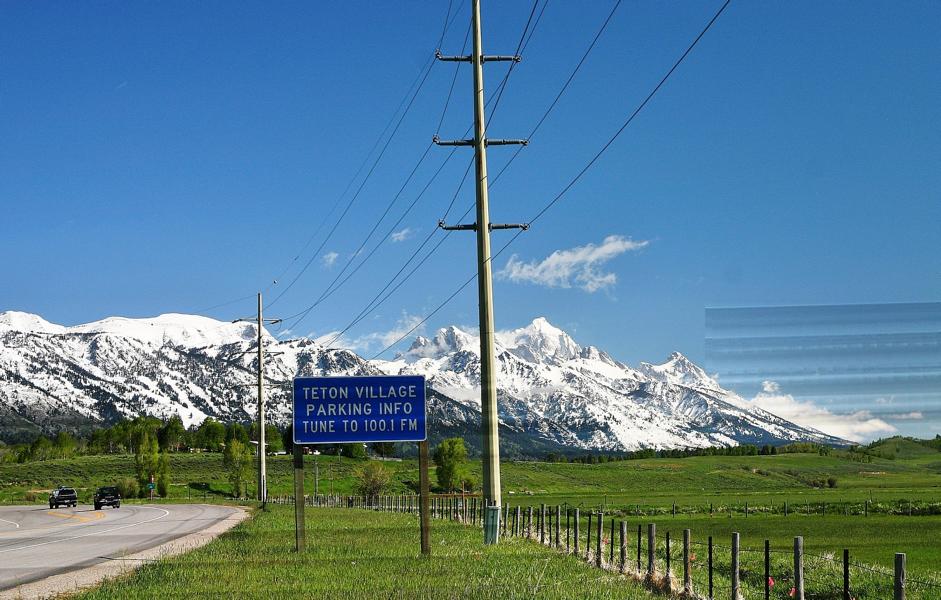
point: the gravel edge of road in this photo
(66, 584)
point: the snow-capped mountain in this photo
(553, 393)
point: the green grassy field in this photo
(902, 474)
(358, 553)
(362, 554)
(693, 483)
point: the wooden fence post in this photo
(799, 568)
(687, 571)
(736, 585)
(588, 538)
(542, 524)
(767, 569)
(576, 532)
(623, 545)
(529, 522)
(599, 553)
(710, 568)
(651, 547)
(846, 574)
(899, 576)
(558, 519)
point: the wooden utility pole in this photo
(262, 471)
(488, 384)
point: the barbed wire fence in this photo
(673, 562)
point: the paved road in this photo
(36, 542)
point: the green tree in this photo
(146, 461)
(235, 431)
(64, 445)
(384, 449)
(450, 456)
(171, 434)
(372, 479)
(273, 441)
(210, 435)
(287, 439)
(237, 460)
(163, 475)
(41, 449)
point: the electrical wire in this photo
(528, 31)
(423, 77)
(574, 180)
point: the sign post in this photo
(300, 523)
(424, 498)
(356, 410)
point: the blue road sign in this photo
(332, 410)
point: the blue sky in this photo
(161, 157)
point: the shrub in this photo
(449, 457)
(128, 487)
(372, 479)
(831, 482)
(237, 460)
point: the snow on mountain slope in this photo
(552, 392)
(190, 331)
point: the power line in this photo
(574, 180)
(372, 304)
(525, 36)
(359, 190)
(422, 77)
(352, 180)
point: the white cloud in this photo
(329, 259)
(856, 426)
(915, 415)
(401, 236)
(579, 266)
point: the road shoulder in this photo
(74, 581)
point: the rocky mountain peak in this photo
(678, 370)
(540, 342)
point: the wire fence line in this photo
(669, 562)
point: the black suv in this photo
(107, 496)
(63, 496)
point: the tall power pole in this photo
(488, 384)
(262, 470)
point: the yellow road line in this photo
(79, 518)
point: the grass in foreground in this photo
(361, 554)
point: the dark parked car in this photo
(107, 496)
(63, 496)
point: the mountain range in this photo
(553, 394)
